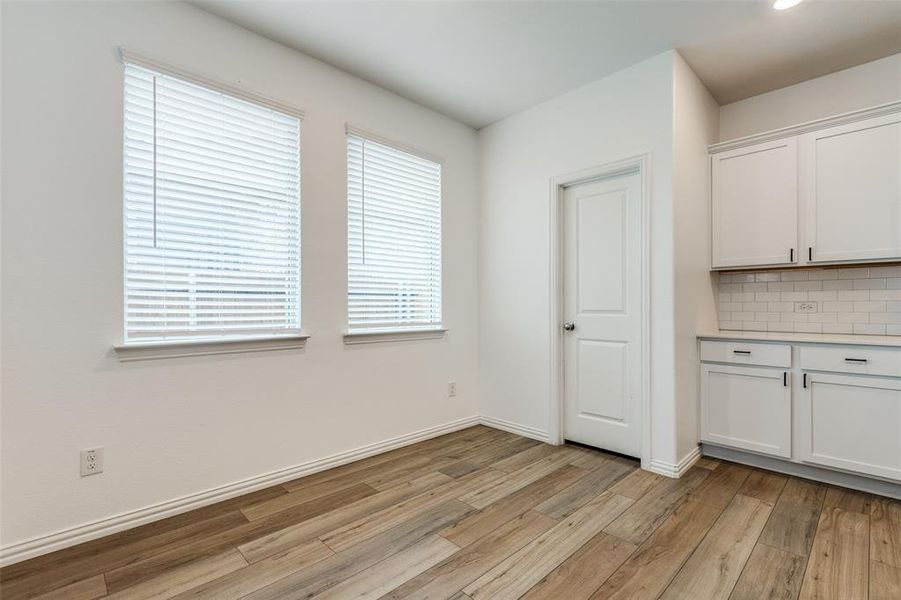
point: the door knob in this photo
(569, 326)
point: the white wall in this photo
(695, 126)
(869, 84)
(176, 427)
(626, 114)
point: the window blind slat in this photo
(393, 238)
(212, 213)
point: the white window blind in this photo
(393, 238)
(212, 213)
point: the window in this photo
(212, 213)
(393, 238)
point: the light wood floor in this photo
(485, 514)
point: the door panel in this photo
(853, 423)
(852, 185)
(755, 205)
(747, 408)
(602, 298)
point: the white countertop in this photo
(893, 341)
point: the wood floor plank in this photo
(271, 506)
(643, 517)
(525, 458)
(838, 566)
(119, 555)
(335, 569)
(250, 578)
(885, 531)
(467, 565)
(794, 520)
(485, 521)
(523, 569)
(713, 569)
(650, 569)
(516, 480)
(636, 484)
(154, 565)
(374, 523)
(584, 571)
(286, 538)
(567, 501)
(85, 589)
(398, 568)
(772, 574)
(721, 485)
(706, 462)
(173, 582)
(845, 499)
(766, 486)
(885, 581)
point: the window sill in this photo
(374, 337)
(179, 349)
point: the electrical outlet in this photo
(451, 389)
(806, 307)
(91, 461)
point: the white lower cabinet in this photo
(825, 405)
(852, 422)
(749, 408)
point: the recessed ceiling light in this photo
(783, 4)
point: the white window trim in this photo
(374, 337)
(177, 349)
(136, 351)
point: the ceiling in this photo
(479, 62)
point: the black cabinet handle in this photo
(856, 360)
(791, 255)
(805, 380)
(785, 378)
(810, 253)
(741, 352)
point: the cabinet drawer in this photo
(744, 353)
(852, 359)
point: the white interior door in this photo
(602, 313)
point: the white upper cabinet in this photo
(851, 186)
(822, 192)
(755, 199)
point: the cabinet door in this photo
(853, 423)
(851, 182)
(754, 208)
(747, 408)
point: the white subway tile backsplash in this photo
(869, 284)
(859, 300)
(853, 295)
(838, 285)
(808, 286)
(892, 271)
(861, 273)
(831, 295)
(839, 328)
(885, 294)
(795, 275)
(869, 307)
(869, 329)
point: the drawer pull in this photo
(856, 360)
(745, 352)
(784, 378)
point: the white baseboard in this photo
(90, 531)
(523, 430)
(678, 470)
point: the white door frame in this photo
(641, 164)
